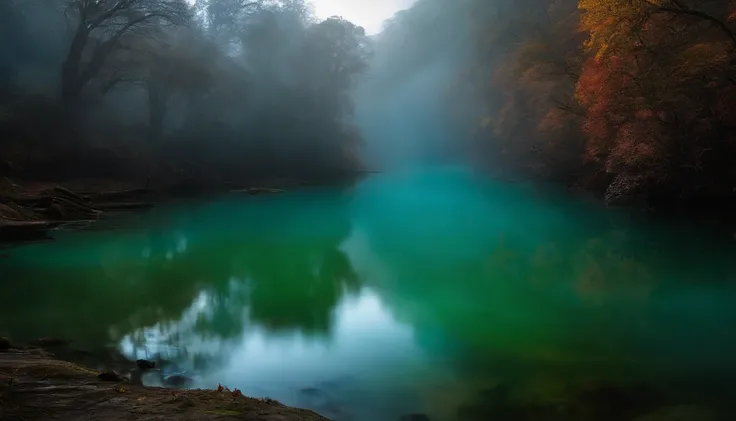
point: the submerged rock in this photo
(145, 364)
(110, 376)
(178, 381)
(5, 344)
(310, 391)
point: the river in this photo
(432, 291)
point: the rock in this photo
(178, 381)
(56, 212)
(110, 376)
(310, 391)
(145, 364)
(10, 213)
(41, 353)
(50, 342)
(5, 344)
(11, 230)
(415, 417)
(627, 190)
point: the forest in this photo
(508, 210)
(162, 91)
(630, 99)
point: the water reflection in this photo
(288, 273)
(554, 300)
(338, 375)
(431, 292)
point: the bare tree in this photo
(99, 27)
(173, 62)
(224, 19)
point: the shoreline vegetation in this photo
(115, 106)
(36, 385)
(168, 98)
(630, 99)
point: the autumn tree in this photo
(655, 74)
(524, 67)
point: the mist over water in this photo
(423, 288)
(406, 123)
(431, 291)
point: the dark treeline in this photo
(631, 98)
(218, 89)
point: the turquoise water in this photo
(430, 291)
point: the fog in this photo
(225, 89)
(406, 108)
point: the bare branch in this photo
(106, 22)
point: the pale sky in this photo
(369, 14)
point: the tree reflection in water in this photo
(282, 279)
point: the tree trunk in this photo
(157, 100)
(70, 70)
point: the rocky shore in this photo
(36, 385)
(30, 211)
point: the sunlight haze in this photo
(369, 14)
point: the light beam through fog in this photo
(405, 106)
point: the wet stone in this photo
(178, 381)
(145, 364)
(110, 376)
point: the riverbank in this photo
(35, 385)
(31, 210)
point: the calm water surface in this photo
(433, 291)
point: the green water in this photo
(434, 291)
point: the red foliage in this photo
(599, 91)
(656, 104)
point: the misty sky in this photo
(369, 14)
